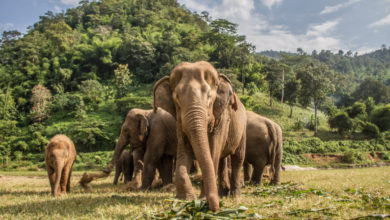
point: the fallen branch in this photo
(88, 178)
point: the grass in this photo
(337, 193)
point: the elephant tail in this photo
(273, 146)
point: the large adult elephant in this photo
(152, 137)
(264, 146)
(211, 124)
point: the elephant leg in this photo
(52, 177)
(148, 173)
(165, 169)
(68, 183)
(248, 170)
(223, 178)
(65, 177)
(237, 161)
(58, 172)
(275, 180)
(118, 170)
(138, 156)
(258, 170)
(184, 160)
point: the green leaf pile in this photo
(198, 209)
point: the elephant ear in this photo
(162, 95)
(143, 127)
(225, 96)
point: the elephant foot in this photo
(196, 178)
(275, 183)
(185, 196)
(224, 189)
(223, 192)
(213, 201)
(157, 183)
(235, 193)
(169, 188)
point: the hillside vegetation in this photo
(79, 72)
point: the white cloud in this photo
(334, 8)
(57, 9)
(70, 2)
(382, 22)
(270, 3)
(5, 27)
(322, 29)
(265, 36)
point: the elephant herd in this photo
(196, 115)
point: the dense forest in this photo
(80, 71)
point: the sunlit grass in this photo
(340, 193)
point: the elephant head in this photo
(196, 95)
(134, 132)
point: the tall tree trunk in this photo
(282, 99)
(243, 82)
(315, 119)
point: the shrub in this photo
(18, 155)
(385, 156)
(311, 123)
(355, 157)
(298, 125)
(123, 105)
(381, 117)
(247, 101)
(342, 122)
(92, 90)
(356, 109)
(371, 130)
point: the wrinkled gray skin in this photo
(124, 165)
(152, 137)
(211, 124)
(264, 146)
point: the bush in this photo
(247, 101)
(18, 155)
(356, 109)
(371, 130)
(298, 125)
(310, 124)
(93, 91)
(385, 156)
(355, 157)
(381, 117)
(342, 122)
(123, 105)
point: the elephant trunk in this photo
(195, 127)
(119, 147)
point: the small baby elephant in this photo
(125, 166)
(60, 154)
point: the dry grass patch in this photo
(339, 193)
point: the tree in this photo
(342, 122)
(315, 87)
(123, 80)
(292, 89)
(372, 88)
(40, 100)
(273, 74)
(381, 117)
(92, 91)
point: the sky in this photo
(282, 25)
